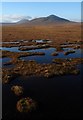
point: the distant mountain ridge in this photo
(51, 19)
(46, 20)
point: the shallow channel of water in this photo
(47, 58)
(5, 60)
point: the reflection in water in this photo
(47, 58)
(5, 60)
(11, 49)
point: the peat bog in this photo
(41, 78)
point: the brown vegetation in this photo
(69, 52)
(18, 90)
(30, 68)
(26, 105)
(58, 33)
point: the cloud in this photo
(13, 18)
(76, 20)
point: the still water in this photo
(47, 58)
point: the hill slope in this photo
(48, 20)
(52, 19)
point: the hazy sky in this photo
(12, 11)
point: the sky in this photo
(15, 11)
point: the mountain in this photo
(22, 21)
(52, 19)
(48, 20)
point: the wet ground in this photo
(5, 60)
(48, 55)
(58, 98)
(47, 58)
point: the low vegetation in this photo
(26, 105)
(30, 68)
(18, 90)
(58, 33)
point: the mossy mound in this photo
(18, 90)
(54, 54)
(69, 52)
(26, 105)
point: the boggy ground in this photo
(22, 43)
(58, 34)
(31, 68)
(16, 55)
(33, 45)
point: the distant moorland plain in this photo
(57, 33)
